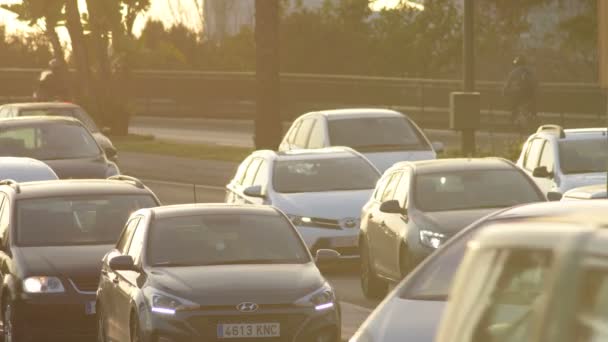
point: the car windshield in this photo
(321, 175)
(432, 281)
(224, 239)
(377, 134)
(583, 156)
(475, 189)
(75, 220)
(69, 112)
(48, 141)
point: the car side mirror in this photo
(542, 172)
(438, 147)
(106, 130)
(554, 196)
(325, 257)
(122, 263)
(111, 153)
(392, 207)
(254, 191)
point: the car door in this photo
(547, 159)
(303, 134)
(127, 280)
(110, 280)
(396, 226)
(378, 232)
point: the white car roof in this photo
(25, 170)
(357, 113)
(587, 192)
(576, 134)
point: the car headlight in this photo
(43, 285)
(321, 299)
(165, 304)
(299, 220)
(431, 239)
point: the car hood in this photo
(79, 168)
(330, 205)
(384, 160)
(388, 323)
(65, 261)
(451, 222)
(576, 181)
(234, 284)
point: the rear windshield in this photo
(319, 175)
(72, 221)
(221, 239)
(477, 189)
(48, 141)
(583, 156)
(69, 112)
(377, 134)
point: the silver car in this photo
(25, 170)
(383, 136)
(321, 191)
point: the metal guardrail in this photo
(188, 93)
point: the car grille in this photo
(325, 223)
(290, 324)
(85, 284)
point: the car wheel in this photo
(102, 335)
(405, 262)
(373, 287)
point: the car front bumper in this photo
(296, 324)
(57, 317)
(344, 241)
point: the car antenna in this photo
(194, 190)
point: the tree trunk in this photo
(58, 53)
(79, 50)
(99, 44)
(268, 119)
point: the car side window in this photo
(317, 135)
(380, 188)
(251, 172)
(547, 158)
(303, 133)
(291, 136)
(241, 171)
(137, 243)
(403, 189)
(532, 158)
(391, 187)
(123, 243)
(261, 177)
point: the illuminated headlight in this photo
(43, 285)
(164, 304)
(321, 299)
(431, 239)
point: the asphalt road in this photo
(240, 133)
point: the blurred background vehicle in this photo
(414, 308)
(62, 143)
(418, 206)
(383, 136)
(560, 160)
(53, 236)
(240, 272)
(591, 192)
(531, 281)
(321, 191)
(13, 110)
(25, 170)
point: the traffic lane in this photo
(345, 276)
(240, 133)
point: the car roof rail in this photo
(12, 183)
(553, 129)
(126, 178)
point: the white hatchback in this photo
(321, 191)
(385, 137)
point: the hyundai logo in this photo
(350, 223)
(247, 307)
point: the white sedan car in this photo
(322, 192)
(25, 170)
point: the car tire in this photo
(12, 330)
(405, 262)
(373, 287)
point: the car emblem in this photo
(247, 307)
(350, 223)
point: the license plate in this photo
(90, 308)
(253, 330)
(344, 241)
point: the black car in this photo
(53, 236)
(214, 273)
(63, 143)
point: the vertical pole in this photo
(602, 16)
(468, 57)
